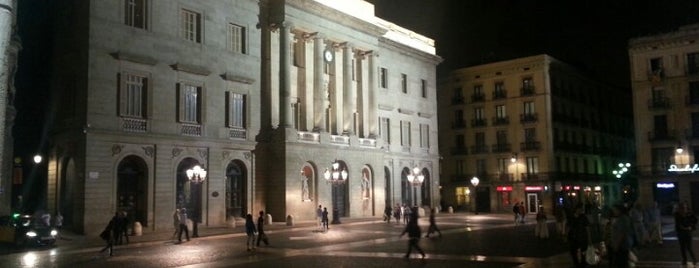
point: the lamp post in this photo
(415, 178)
(475, 182)
(196, 176)
(336, 177)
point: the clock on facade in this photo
(328, 56)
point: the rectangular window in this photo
(693, 63)
(499, 92)
(460, 167)
(532, 165)
(423, 88)
(500, 112)
(459, 141)
(190, 24)
(503, 163)
(480, 167)
(136, 12)
(404, 83)
(501, 137)
(405, 133)
(132, 95)
(385, 130)
(480, 139)
(527, 83)
(478, 113)
(189, 103)
(236, 107)
(236, 38)
(383, 78)
(424, 136)
(656, 66)
(530, 134)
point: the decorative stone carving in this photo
(203, 153)
(116, 149)
(225, 155)
(247, 155)
(148, 150)
(176, 152)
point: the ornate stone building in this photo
(263, 95)
(9, 51)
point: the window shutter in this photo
(144, 98)
(121, 92)
(180, 102)
(229, 108)
(199, 23)
(199, 108)
(244, 114)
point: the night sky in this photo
(591, 35)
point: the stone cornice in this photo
(193, 69)
(386, 107)
(405, 111)
(434, 59)
(132, 57)
(228, 76)
(424, 115)
(337, 16)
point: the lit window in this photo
(235, 110)
(136, 13)
(191, 25)
(236, 38)
(132, 95)
(189, 103)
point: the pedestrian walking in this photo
(324, 219)
(123, 228)
(515, 210)
(560, 215)
(183, 225)
(433, 225)
(396, 213)
(414, 233)
(260, 229)
(639, 229)
(108, 235)
(620, 237)
(685, 223)
(319, 216)
(117, 230)
(652, 221)
(522, 212)
(250, 230)
(176, 222)
(578, 236)
(405, 210)
(542, 228)
(387, 214)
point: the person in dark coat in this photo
(260, 229)
(414, 233)
(387, 214)
(433, 225)
(578, 236)
(324, 219)
(250, 231)
(685, 223)
(108, 234)
(183, 225)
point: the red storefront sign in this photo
(504, 188)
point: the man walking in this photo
(319, 216)
(183, 225)
(260, 230)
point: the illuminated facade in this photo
(264, 95)
(665, 83)
(533, 130)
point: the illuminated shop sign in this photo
(597, 188)
(504, 188)
(533, 188)
(665, 185)
(687, 168)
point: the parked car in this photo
(26, 230)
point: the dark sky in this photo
(591, 35)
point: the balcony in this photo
(478, 97)
(497, 121)
(530, 146)
(501, 148)
(504, 177)
(530, 177)
(498, 95)
(457, 100)
(527, 91)
(190, 130)
(459, 151)
(479, 122)
(661, 135)
(237, 133)
(659, 103)
(459, 124)
(528, 118)
(479, 149)
(134, 125)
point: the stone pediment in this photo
(132, 57)
(228, 76)
(189, 68)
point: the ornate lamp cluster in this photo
(416, 178)
(623, 168)
(336, 176)
(196, 174)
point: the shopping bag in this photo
(591, 256)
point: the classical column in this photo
(372, 104)
(349, 98)
(319, 90)
(8, 53)
(285, 117)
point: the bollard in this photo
(268, 219)
(451, 210)
(137, 229)
(421, 212)
(289, 220)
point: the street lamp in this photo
(37, 159)
(513, 159)
(336, 177)
(475, 182)
(415, 178)
(623, 168)
(196, 176)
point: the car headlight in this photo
(31, 234)
(54, 233)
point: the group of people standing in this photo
(398, 212)
(116, 232)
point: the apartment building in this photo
(532, 130)
(231, 107)
(665, 82)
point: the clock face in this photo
(328, 56)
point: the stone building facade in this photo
(532, 130)
(10, 46)
(263, 95)
(665, 83)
